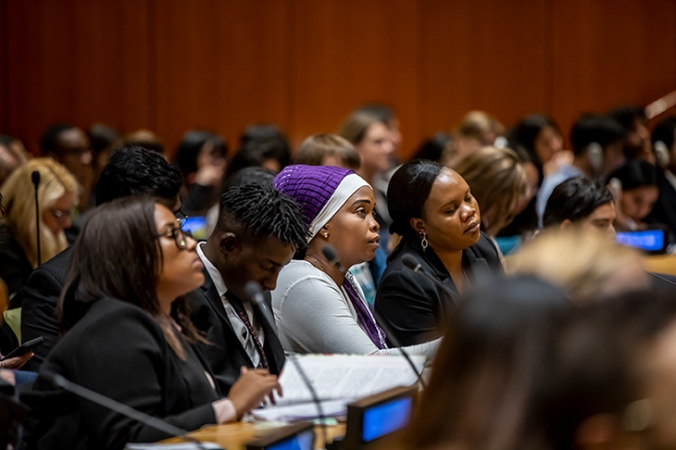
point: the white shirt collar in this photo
(215, 275)
(671, 178)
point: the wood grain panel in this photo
(76, 61)
(611, 53)
(483, 54)
(350, 52)
(221, 65)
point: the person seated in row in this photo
(598, 143)
(583, 203)
(636, 193)
(318, 306)
(258, 231)
(129, 171)
(129, 336)
(439, 221)
(664, 145)
(497, 180)
(332, 150)
(57, 195)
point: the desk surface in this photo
(665, 264)
(234, 436)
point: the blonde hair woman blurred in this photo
(57, 196)
(586, 264)
(498, 181)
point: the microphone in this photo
(331, 255)
(410, 263)
(329, 252)
(35, 177)
(120, 408)
(255, 293)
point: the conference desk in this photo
(234, 436)
(665, 264)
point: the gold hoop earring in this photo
(423, 243)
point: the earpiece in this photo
(595, 155)
(661, 154)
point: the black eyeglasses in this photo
(179, 236)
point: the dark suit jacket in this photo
(14, 266)
(40, 298)
(227, 355)
(119, 351)
(413, 307)
(664, 211)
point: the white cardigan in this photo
(314, 315)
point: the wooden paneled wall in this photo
(173, 65)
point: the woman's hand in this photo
(17, 362)
(251, 388)
(8, 376)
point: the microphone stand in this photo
(35, 177)
(121, 408)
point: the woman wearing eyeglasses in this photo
(128, 335)
(57, 195)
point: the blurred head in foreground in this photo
(587, 265)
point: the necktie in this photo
(238, 306)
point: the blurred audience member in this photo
(439, 221)
(581, 202)
(16, 147)
(130, 171)
(104, 139)
(387, 116)
(540, 137)
(491, 359)
(372, 140)
(144, 139)
(57, 195)
(498, 182)
(598, 143)
(70, 146)
(326, 149)
(201, 158)
(476, 129)
(8, 162)
(664, 146)
(634, 121)
(637, 194)
(588, 266)
(434, 148)
(261, 146)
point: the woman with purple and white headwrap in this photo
(318, 306)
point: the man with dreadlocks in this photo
(258, 232)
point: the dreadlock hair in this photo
(255, 211)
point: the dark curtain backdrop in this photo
(172, 65)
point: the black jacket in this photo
(14, 266)
(227, 355)
(413, 307)
(664, 211)
(119, 351)
(39, 304)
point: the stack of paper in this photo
(337, 380)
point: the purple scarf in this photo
(364, 318)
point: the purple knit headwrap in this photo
(310, 186)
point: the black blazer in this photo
(414, 308)
(119, 351)
(39, 304)
(226, 355)
(14, 266)
(664, 211)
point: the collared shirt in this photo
(240, 329)
(549, 184)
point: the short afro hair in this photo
(575, 199)
(135, 170)
(257, 211)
